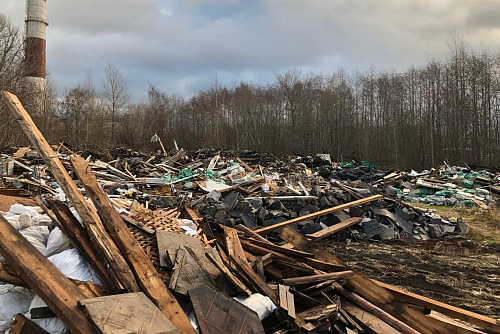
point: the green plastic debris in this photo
(346, 165)
(423, 192)
(445, 193)
(212, 176)
(366, 163)
(183, 173)
(467, 183)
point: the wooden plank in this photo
(21, 151)
(249, 233)
(23, 325)
(318, 278)
(244, 164)
(55, 289)
(222, 267)
(287, 300)
(443, 318)
(219, 314)
(317, 264)
(318, 214)
(366, 319)
(147, 276)
(371, 291)
(334, 228)
(297, 254)
(244, 269)
(15, 192)
(7, 276)
(88, 215)
(449, 310)
(127, 313)
(379, 313)
(233, 244)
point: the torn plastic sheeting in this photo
(211, 185)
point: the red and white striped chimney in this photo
(35, 45)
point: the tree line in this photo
(446, 110)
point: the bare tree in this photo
(115, 94)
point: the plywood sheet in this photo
(217, 313)
(127, 313)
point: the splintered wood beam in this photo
(318, 278)
(55, 289)
(147, 276)
(449, 310)
(318, 214)
(377, 295)
(89, 216)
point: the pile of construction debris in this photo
(204, 243)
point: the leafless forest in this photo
(447, 109)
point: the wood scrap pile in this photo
(293, 286)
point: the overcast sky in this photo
(181, 45)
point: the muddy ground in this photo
(456, 272)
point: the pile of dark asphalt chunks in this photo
(384, 219)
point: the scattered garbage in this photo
(181, 233)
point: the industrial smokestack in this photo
(35, 58)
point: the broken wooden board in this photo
(187, 273)
(169, 243)
(217, 313)
(372, 292)
(234, 248)
(23, 325)
(318, 214)
(287, 301)
(55, 289)
(127, 313)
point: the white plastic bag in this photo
(52, 325)
(20, 209)
(72, 265)
(261, 304)
(40, 233)
(13, 300)
(56, 243)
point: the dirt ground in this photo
(463, 272)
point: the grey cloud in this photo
(179, 45)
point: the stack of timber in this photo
(156, 267)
